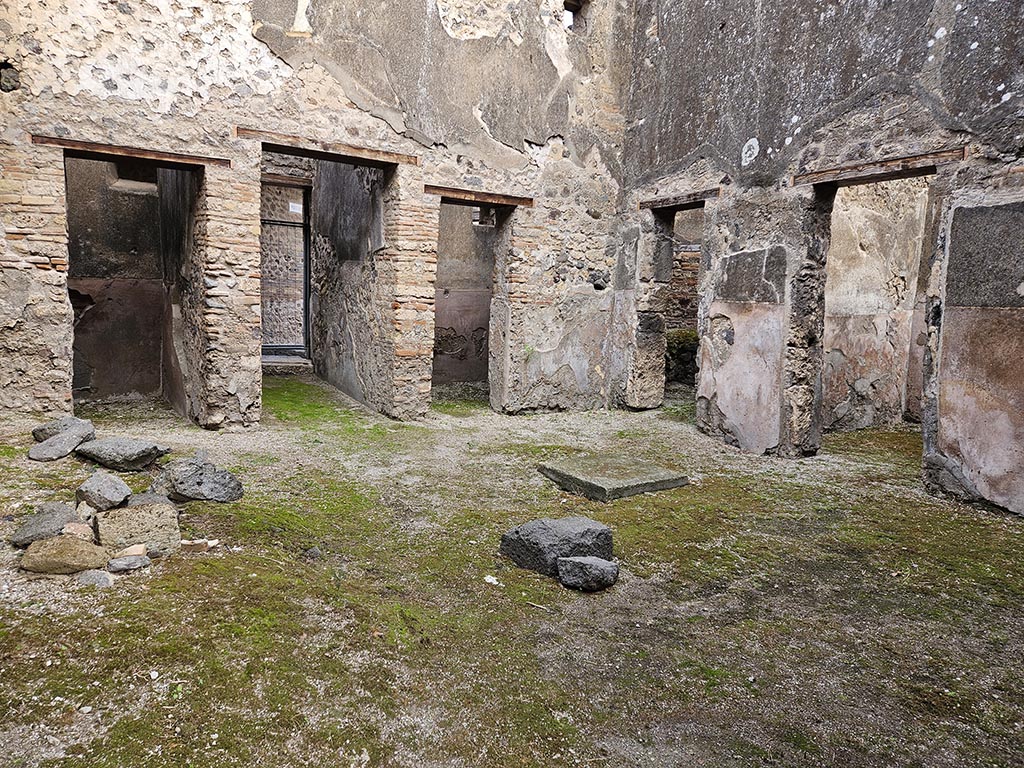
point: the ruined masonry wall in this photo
(180, 75)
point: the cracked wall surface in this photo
(775, 90)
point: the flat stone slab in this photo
(125, 454)
(603, 478)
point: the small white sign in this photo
(294, 207)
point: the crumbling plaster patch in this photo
(197, 50)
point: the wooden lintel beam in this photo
(283, 180)
(325, 150)
(680, 202)
(880, 170)
(473, 197)
(96, 148)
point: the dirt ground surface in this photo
(819, 612)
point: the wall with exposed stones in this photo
(283, 265)
(182, 75)
(349, 311)
(776, 90)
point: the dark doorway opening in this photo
(130, 230)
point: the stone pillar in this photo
(410, 236)
(222, 308)
(761, 319)
(36, 320)
(973, 402)
(805, 333)
(508, 275)
(645, 376)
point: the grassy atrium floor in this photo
(825, 611)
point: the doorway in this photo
(284, 267)
(874, 328)
(462, 305)
(130, 226)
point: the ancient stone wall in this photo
(182, 75)
(349, 341)
(35, 312)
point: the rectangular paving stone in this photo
(603, 478)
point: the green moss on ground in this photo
(827, 603)
(296, 402)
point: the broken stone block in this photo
(63, 554)
(103, 491)
(44, 432)
(538, 544)
(604, 478)
(196, 479)
(155, 525)
(139, 499)
(133, 551)
(588, 574)
(81, 530)
(95, 578)
(130, 563)
(126, 454)
(64, 442)
(48, 521)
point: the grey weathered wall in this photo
(462, 307)
(871, 292)
(770, 84)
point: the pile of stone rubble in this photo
(575, 550)
(107, 529)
